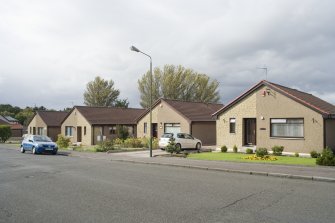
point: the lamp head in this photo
(132, 48)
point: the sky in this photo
(50, 50)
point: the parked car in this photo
(38, 144)
(182, 140)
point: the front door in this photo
(78, 133)
(249, 131)
(154, 130)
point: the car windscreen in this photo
(42, 139)
(167, 135)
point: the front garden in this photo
(241, 157)
(114, 145)
(326, 158)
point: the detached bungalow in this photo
(269, 114)
(90, 125)
(47, 123)
(173, 116)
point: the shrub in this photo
(171, 147)
(105, 146)
(122, 132)
(224, 149)
(145, 142)
(277, 150)
(5, 133)
(327, 158)
(235, 149)
(133, 143)
(155, 143)
(62, 141)
(296, 154)
(261, 152)
(249, 151)
(315, 154)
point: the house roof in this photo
(16, 126)
(110, 115)
(10, 119)
(52, 118)
(3, 122)
(193, 111)
(317, 104)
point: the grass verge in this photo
(239, 157)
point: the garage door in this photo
(172, 128)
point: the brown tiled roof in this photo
(16, 126)
(52, 118)
(110, 115)
(317, 104)
(193, 111)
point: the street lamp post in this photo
(150, 120)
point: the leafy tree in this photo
(5, 133)
(25, 115)
(7, 109)
(122, 103)
(100, 92)
(177, 82)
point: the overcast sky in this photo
(50, 50)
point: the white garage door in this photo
(172, 128)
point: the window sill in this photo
(287, 138)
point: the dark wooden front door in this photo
(154, 130)
(250, 131)
(79, 134)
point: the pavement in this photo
(318, 173)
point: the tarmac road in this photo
(47, 188)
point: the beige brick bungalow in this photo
(89, 125)
(269, 114)
(46, 123)
(173, 116)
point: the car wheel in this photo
(198, 146)
(178, 146)
(22, 149)
(54, 153)
(34, 151)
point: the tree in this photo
(7, 109)
(100, 92)
(5, 133)
(25, 115)
(180, 83)
(122, 103)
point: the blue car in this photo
(38, 144)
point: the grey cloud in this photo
(62, 45)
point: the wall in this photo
(276, 105)
(37, 122)
(161, 114)
(76, 119)
(243, 109)
(205, 131)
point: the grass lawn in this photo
(238, 157)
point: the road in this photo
(46, 188)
